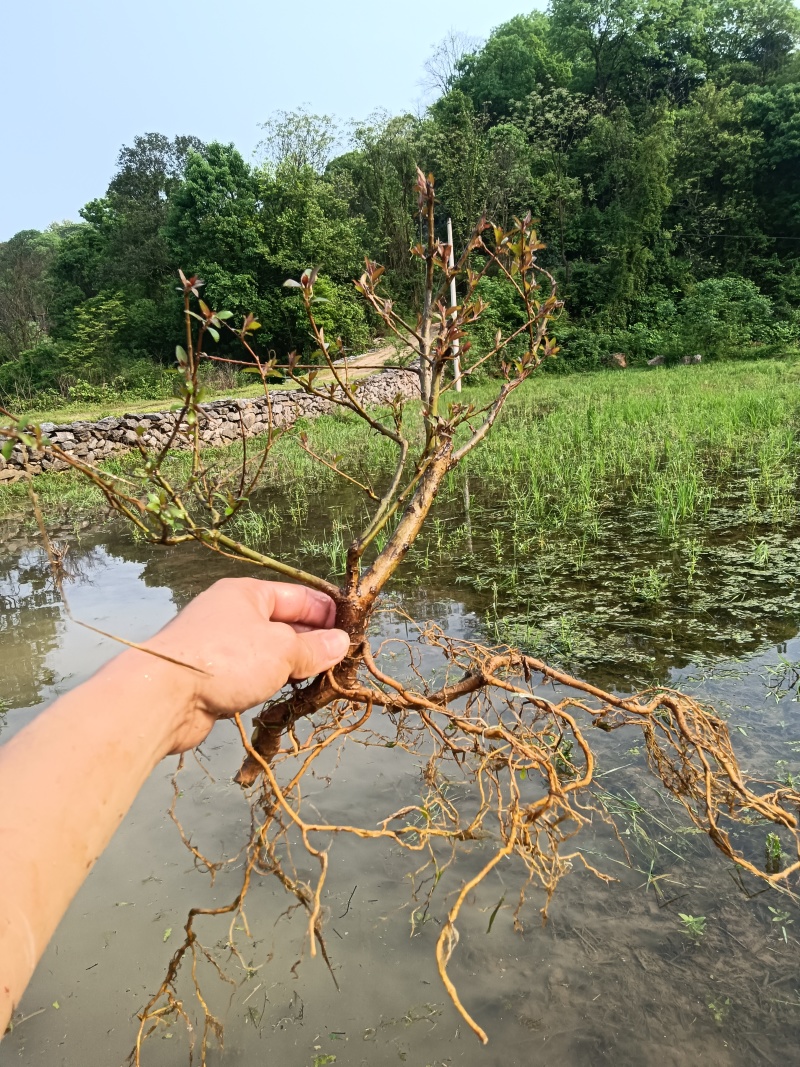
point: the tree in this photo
(723, 314)
(771, 127)
(381, 173)
(442, 66)
(453, 145)
(26, 290)
(752, 40)
(486, 718)
(299, 139)
(715, 215)
(554, 124)
(607, 39)
(307, 218)
(212, 225)
(619, 231)
(518, 59)
(149, 172)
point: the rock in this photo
(656, 361)
(618, 359)
(696, 358)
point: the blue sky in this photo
(79, 79)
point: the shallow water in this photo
(612, 978)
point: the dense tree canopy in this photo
(657, 141)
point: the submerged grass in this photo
(666, 435)
(564, 448)
(616, 522)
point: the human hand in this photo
(248, 637)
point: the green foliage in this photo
(26, 290)
(212, 218)
(516, 60)
(773, 854)
(336, 310)
(657, 143)
(694, 926)
(723, 316)
(502, 312)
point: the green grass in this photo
(91, 412)
(668, 435)
(565, 444)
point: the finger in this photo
(299, 604)
(317, 651)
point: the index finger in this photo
(299, 604)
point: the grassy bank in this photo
(92, 411)
(667, 436)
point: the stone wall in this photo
(220, 422)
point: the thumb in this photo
(317, 651)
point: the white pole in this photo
(456, 357)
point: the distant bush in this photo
(723, 317)
(336, 310)
(44, 377)
(720, 318)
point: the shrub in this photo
(724, 316)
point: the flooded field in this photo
(681, 960)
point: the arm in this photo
(67, 780)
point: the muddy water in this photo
(615, 977)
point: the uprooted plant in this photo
(490, 719)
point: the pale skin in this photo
(68, 779)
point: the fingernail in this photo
(320, 597)
(337, 643)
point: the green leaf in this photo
(214, 333)
(493, 916)
(223, 315)
(7, 449)
(168, 933)
(180, 355)
(290, 283)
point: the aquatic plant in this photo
(694, 926)
(773, 854)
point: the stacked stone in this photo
(220, 422)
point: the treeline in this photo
(658, 142)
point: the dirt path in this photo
(371, 361)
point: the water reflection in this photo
(612, 978)
(30, 624)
